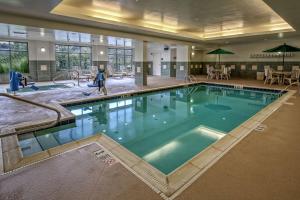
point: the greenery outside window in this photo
(14, 56)
(120, 54)
(72, 57)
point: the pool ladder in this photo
(191, 78)
(287, 87)
(18, 131)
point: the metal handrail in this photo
(294, 83)
(36, 104)
(193, 78)
(68, 73)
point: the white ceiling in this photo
(196, 19)
(192, 20)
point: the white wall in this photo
(198, 55)
(157, 54)
(138, 51)
(155, 48)
(183, 54)
(96, 53)
(35, 53)
(244, 50)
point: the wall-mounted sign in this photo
(138, 69)
(181, 68)
(254, 67)
(44, 67)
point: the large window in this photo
(13, 56)
(14, 31)
(65, 36)
(120, 54)
(72, 57)
(120, 59)
(120, 42)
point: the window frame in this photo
(69, 52)
(10, 51)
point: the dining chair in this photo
(266, 75)
(293, 77)
(210, 73)
(224, 73)
(273, 77)
(267, 67)
(229, 72)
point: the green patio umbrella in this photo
(283, 49)
(219, 52)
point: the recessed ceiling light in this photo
(101, 52)
(43, 49)
(193, 53)
(193, 47)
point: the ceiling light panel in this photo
(214, 18)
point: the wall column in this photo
(99, 52)
(141, 63)
(41, 60)
(182, 66)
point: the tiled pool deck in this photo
(255, 83)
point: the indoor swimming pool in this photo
(165, 128)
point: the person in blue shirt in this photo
(100, 80)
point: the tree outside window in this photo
(14, 56)
(73, 57)
(120, 54)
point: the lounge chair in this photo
(114, 74)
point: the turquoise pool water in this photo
(165, 128)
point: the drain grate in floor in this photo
(105, 157)
(260, 128)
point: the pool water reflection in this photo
(165, 128)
